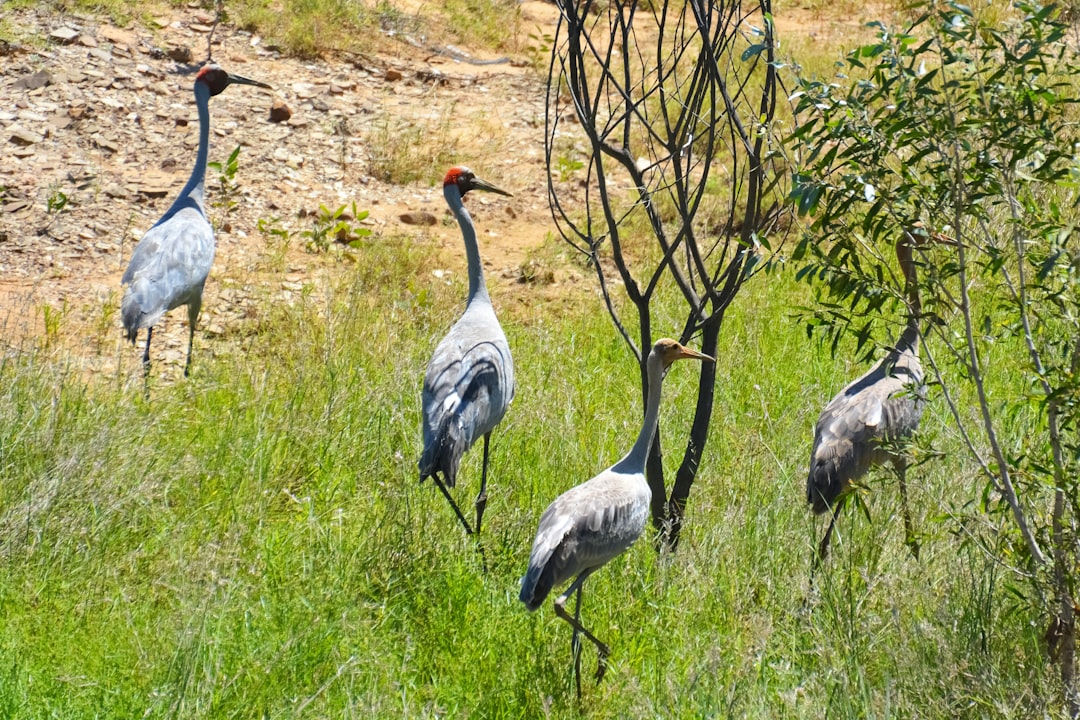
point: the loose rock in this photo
(280, 112)
(179, 54)
(64, 35)
(32, 82)
(22, 136)
(418, 218)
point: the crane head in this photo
(671, 350)
(215, 78)
(465, 181)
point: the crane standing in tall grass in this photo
(863, 424)
(469, 382)
(592, 523)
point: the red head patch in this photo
(456, 174)
(214, 77)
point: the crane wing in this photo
(583, 529)
(884, 404)
(468, 387)
(168, 268)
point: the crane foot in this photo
(601, 662)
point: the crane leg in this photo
(481, 498)
(575, 622)
(910, 539)
(575, 643)
(449, 499)
(823, 548)
(193, 317)
(146, 353)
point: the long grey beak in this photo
(688, 354)
(478, 184)
(241, 80)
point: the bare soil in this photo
(113, 130)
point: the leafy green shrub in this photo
(963, 124)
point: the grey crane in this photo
(170, 264)
(469, 382)
(596, 521)
(862, 425)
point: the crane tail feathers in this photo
(443, 454)
(536, 585)
(824, 485)
(131, 314)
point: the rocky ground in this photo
(99, 129)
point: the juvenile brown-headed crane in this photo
(867, 421)
(469, 382)
(172, 260)
(596, 521)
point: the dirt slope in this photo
(104, 117)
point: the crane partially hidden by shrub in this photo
(964, 121)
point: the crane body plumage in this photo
(467, 389)
(863, 424)
(168, 268)
(585, 528)
(173, 259)
(590, 524)
(857, 428)
(469, 382)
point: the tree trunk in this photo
(1062, 638)
(699, 433)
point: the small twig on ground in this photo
(210, 35)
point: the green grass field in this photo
(253, 542)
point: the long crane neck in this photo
(195, 189)
(910, 337)
(634, 461)
(477, 287)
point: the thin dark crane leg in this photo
(449, 499)
(146, 353)
(823, 548)
(910, 540)
(481, 498)
(193, 317)
(190, 343)
(575, 643)
(602, 650)
(461, 517)
(146, 365)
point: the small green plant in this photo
(335, 226)
(54, 320)
(228, 190)
(278, 240)
(105, 324)
(538, 49)
(566, 165)
(56, 201)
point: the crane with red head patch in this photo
(469, 382)
(172, 260)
